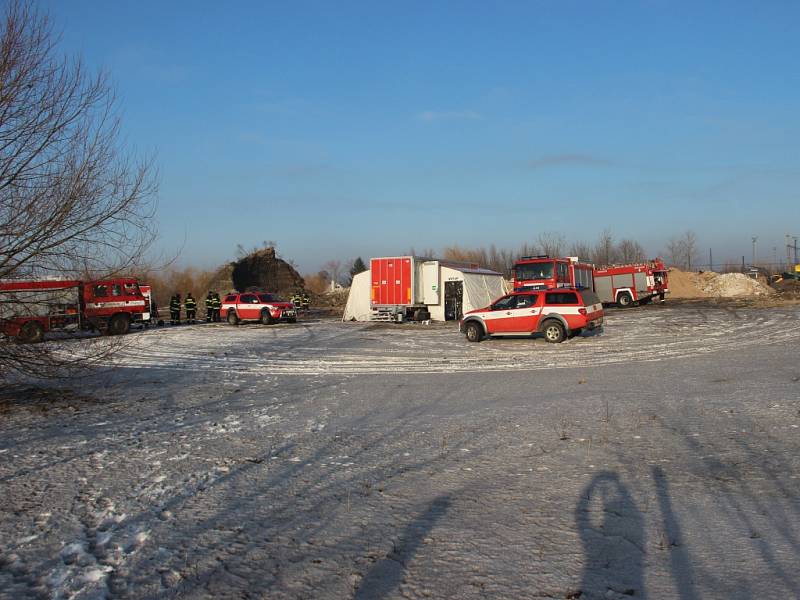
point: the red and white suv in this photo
(554, 313)
(257, 306)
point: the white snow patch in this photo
(96, 574)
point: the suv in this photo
(555, 313)
(257, 306)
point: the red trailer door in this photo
(391, 280)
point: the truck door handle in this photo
(508, 313)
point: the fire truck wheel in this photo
(473, 331)
(31, 333)
(624, 300)
(266, 318)
(119, 325)
(232, 318)
(421, 315)
(553, 332)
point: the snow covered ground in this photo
(335, 460)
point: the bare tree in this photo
(582, 250)
(71, 200)
(682, 251)
(675, 252)
(551, 242)
(630, 251)
(690, 248)
(604, 251)
(334, 269)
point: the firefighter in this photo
(297, 300)
(175, 309)
(190, 304)
(306, 301)
(216, 305)
(209, 306)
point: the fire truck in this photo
(30, 308)
(627, 285)
(544, 272)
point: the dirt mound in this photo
(222, 281)
(684, 285)
(265, 271)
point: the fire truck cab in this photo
(544, 272)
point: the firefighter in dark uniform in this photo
(209, 306)
(306, 302)
(191, 307)
(297, 300)
(175, 309)
(216, 305)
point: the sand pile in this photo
(732, 285)
(684, 285)
(715, 285)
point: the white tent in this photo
(358, 300)
(448, 289)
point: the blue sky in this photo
(345, 129)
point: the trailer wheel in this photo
(473, 331)
(119, 325)
(233, 319)
(624, 300)
(266, 318)
(31, 333)
(553, 332)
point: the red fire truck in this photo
(545, 272)
(30, 308)
(626, 285)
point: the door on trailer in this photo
(453, 300)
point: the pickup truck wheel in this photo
(266, 318)
(31, 333)
(473, 331)
(233, 319)
(624, 300)
(119, 325)
(553, 332)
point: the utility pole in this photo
(755, 239)
(710, 261)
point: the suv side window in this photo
(526, 301)
(562, 298)
(248, 299)
(506, 303)
(230, 298)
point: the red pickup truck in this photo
(257, 306)
(556, 314)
